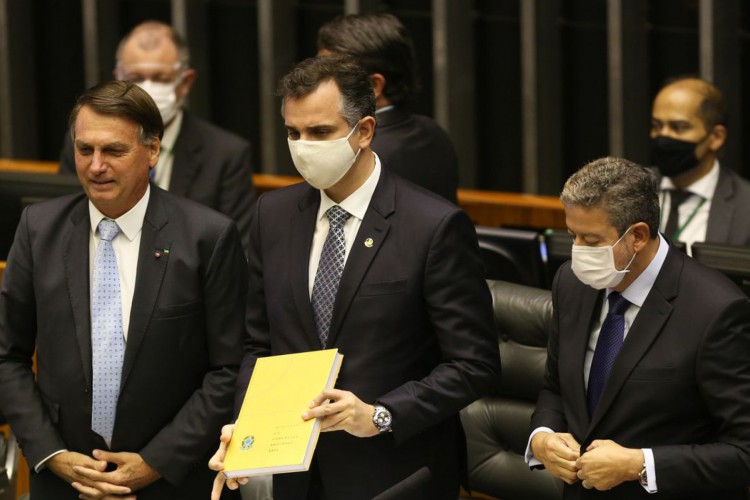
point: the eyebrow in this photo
(672, 122)
(312, 127)
(111, 145)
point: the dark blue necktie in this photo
(330, 268)
(607, 346)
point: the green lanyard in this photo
(689, 219)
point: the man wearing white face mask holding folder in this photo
(648, 370)
(388, 273)
(198, 160)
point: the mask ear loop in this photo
(359, 150)
(627, 267)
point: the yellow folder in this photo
(270, 436)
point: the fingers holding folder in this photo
(217, 463)
(342, 411)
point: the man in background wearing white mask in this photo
(199, 160)
(389, 273)
(648, 369)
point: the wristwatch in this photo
(382, 419)
(643, 477)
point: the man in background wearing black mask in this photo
(700, 200)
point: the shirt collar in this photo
(357, 202)
(130, 223)
(384, 109)
(171, 131)
(703, 187)
(639, 289)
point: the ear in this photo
(378, 84)
(641, 235)
(188, 79)
(153, 152)
(366, 132)
(717, 138)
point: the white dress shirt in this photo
(126, 245)
(692, 220)
(356, 204)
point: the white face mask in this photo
(323, 163)
(595, 266)
(165, 97)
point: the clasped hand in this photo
(604, 465)
(89, 477)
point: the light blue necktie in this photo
(330, 268)
(107, 340)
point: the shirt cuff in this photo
(528, 456)
(648, 457)
(42, 465)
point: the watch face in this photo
(382, 418)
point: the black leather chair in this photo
(513, 255)
(497, 427)
(559, 246)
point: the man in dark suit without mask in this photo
(133, 299)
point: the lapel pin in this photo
(157, 254)
(369, 243)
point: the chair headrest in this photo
(522, 313)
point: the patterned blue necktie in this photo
(107, 340)
(607, 346)
(330, 268)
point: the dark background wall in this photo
(542, 72)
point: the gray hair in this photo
(626, 191)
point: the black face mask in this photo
(672, 156)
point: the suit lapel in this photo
(722, 209)
(573, 348)
(645, 329)
(368, 241)
(301, 230)
(153, 256)
(76, 259)
(187, 157)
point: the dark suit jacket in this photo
(183, 349)
(729, 216)
(680, 385)
(413, 320)
(417, 149)
(211, 166)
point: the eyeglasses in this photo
(156, 72)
